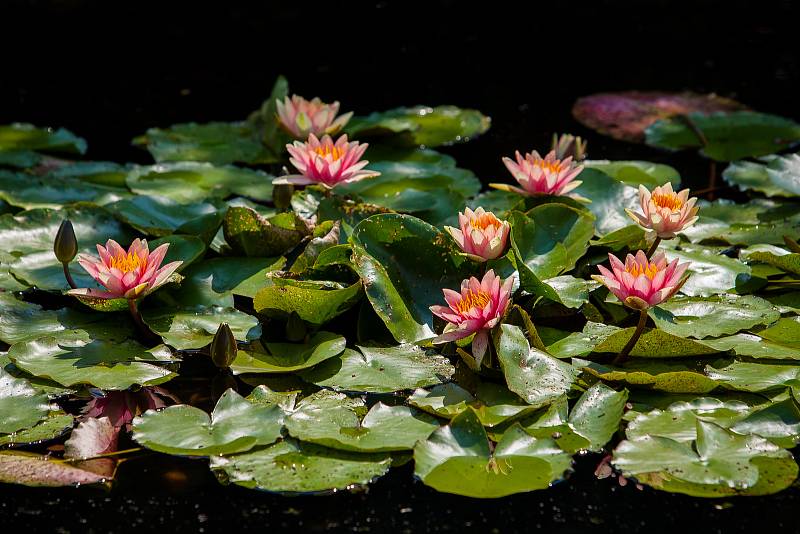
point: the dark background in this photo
(110, 71)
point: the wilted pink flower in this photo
(482, 235)
(664, 211)
(542, 176)
(127, 274)
(325, 163)
(122, 406)
(300, 117)
(476, 310)
(640, 283)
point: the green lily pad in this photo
(327, 421)
(775, 176)
(26, 191)
(421, 125)
(93, 172)
(194, 328)
(715, 316)
(753, 346)
(219, 143)
(290, 466)
(103, 363)
(185, 248)
(235, 425)
(728, 136)
(55, 425)
(187, 182)
(215, 281)
(609, 200)
(21, 405)
(381, 370)
(754, 376)
(444, 400)
(551, 237)
(287, 357)
(710, 273)
(635, 173)
(785, 331)
(720, 463)
(789, 263)
(250, 234)
(597, 414)
(572, 292)
(656, 375)
(531, 373)
(158, 216)
(281, 297)
(404, 263)
(457, 459)
(21, 136)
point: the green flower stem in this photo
(68, 276)
(623, 354)
(653, 247)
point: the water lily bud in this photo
(223, 347)
(66, 244)
(282, 196)
(295, 328)
(568, 145)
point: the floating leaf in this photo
(288, 357)
(572, 292)
(103, 363)
(187, 182)
(422, 125)
(219, 143)
(725, 136)
(294, 467)
(194, 328)
(215, 281)
(250, 234)
(158, 216)
(21, 405)
(457, 459)
(404, 263)
(25, 191)
(635, 173)
(281, 297)
(51, 427)
(235, 425)
(699, 317)
(658, 375)
(721, 463)
(531, 373)
(751, 376)
(710, 273)
(20, 136)
(597, 414)
(774, 175)
(381, 370)
(789, 263)
(329, 421)
(30, 469)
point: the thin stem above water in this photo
(626, 350)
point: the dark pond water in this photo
(108, 72)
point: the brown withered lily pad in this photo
(627, 114)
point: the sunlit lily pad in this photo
(404, 263)
(28, 192)
(726, 136)
(381, 370)
(669, 376)
(712, 316)
(194, 328)
(21, 405)
(775, 176)
(106, 364)
(720, 463)
(317, 305)
(531, 373)
(754, 376)
(215, 281)
(457, 459)
(421, 125)
(235, 425)
(188, 182)
(288, 357)
(294, 467)
(635, 173)
(158, 216)
(20, 136)
(53, 426)
(341, 425)
(710, 273)
(250, 234)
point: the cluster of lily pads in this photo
(308, 330)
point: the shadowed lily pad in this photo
(288, 357)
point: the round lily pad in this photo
(701, 317)
(288, 357)
(21, 405)
(194, 328)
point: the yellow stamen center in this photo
(473, 299)
(484, 221)
(552, 166)
(126, 262)
(670, 201)
(326, 150)
(650, 270)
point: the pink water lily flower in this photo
(326, 163)
(542, 176)
(301, 117)
(475, 310)
(482, 235)
(664, 211)
(127, 274)
(641, 283)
